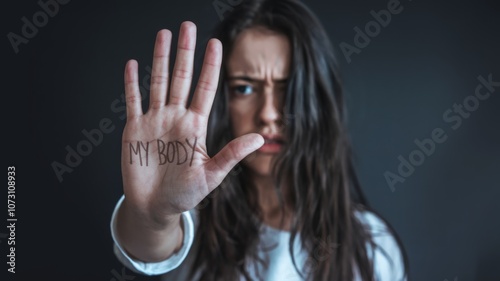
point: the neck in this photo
(269, 202)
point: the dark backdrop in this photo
(69, 77)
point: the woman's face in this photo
(258, 69)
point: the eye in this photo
(242, 90)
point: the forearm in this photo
(142, 241)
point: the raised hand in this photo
(165, 166)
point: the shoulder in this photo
(386, 254)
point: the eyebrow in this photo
(250, 79)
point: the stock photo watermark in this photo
(123, 276)
(313, 262)
(452, 116)
(92, 138)
(223, 6)
(372, 29)
(11, 219)
(31, 26)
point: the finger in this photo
(222, 163)
(159, 76)
(209, 79)
(183, 68)
(132, 93)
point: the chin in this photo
(259, 164)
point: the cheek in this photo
(242, 117)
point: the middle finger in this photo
(183, 68)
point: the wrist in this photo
(151, 219)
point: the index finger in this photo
(209, 79)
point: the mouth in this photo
(272, 144)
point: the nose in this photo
(268, 113)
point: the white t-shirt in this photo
(273, 247)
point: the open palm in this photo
(165, 166)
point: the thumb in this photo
(221, 164)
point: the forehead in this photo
(261, 53)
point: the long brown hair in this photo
(315, 165)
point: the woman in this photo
(293, 209)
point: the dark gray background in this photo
(66, 77)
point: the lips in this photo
(272, 144)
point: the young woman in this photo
(293, 208)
